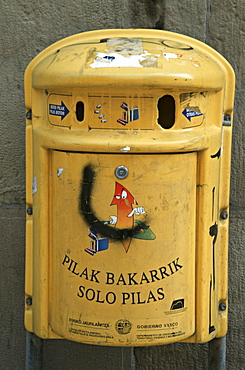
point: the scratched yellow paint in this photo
(125, 285)
(139, 259)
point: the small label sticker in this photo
(128, 115)
(58, 110)
(34, 185)
(189, 114)
(60, 171)
(123, 326)
(168, 56)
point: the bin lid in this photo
(131, 57)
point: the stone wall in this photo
(26, 28)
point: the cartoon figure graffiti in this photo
(124, 200)
(122, 227)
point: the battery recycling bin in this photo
(128, 146)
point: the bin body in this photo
(128, 161)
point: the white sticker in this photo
(126, 149)
(34, 185)
(170, 56)
(116, 60)
(125, 46)
(59, 171)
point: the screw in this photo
(224, 215)
(121, 172)
(29, 211)
(29, 301)
(222, 306)
(28, 114)
(227, 120)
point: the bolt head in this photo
(222, 306)
(224, 215)
(29, 301)
(28, 115)
(121, 172)
(29, 211)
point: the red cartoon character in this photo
(124, 200)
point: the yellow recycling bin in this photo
(128, 162)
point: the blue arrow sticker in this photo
(58, 110)
(191, 113)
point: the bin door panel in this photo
(122, 251)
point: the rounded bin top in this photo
(132, 57)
